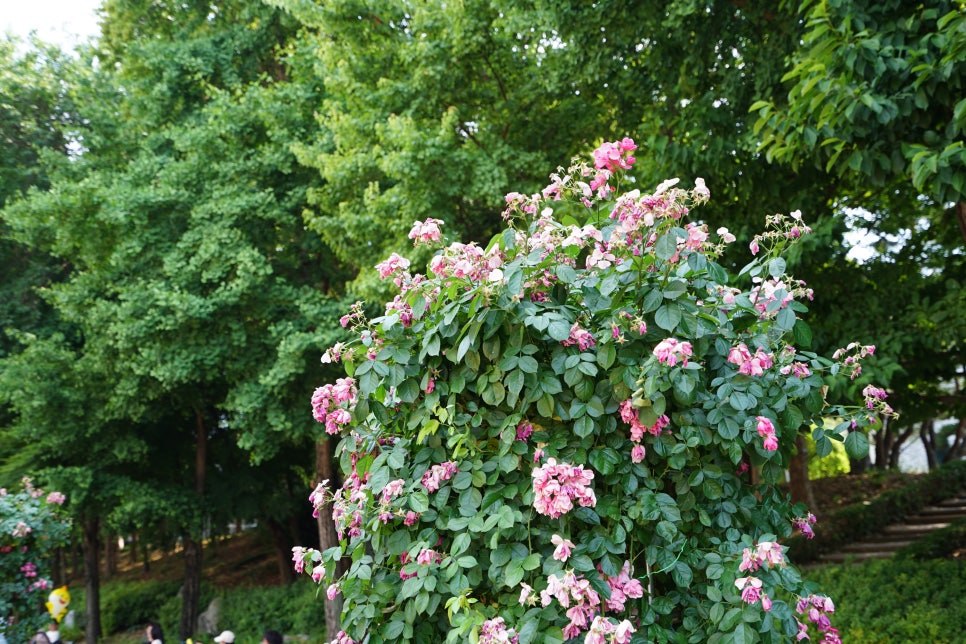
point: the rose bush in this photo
(576, 433)
(32, 526)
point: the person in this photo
(272, 637)
(226, 637)
(154, 633)
(39, 638)
(53, 632)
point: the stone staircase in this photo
(899, 535)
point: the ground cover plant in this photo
(577, 432)
(898, 600)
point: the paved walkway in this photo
(899, 535)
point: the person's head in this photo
(272, 637)
(226, 637)
(154, 632)
(53, 626)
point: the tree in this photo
(194, 289)
(435, 108)
(876, 90)
(874, 96)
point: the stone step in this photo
(888, 538)
(877, 545)
(899, 535)
(938, 517)
(914, 531)
(943, 509)
(842, 557)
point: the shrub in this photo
(894, 600)
(291, 609)
(129, 604)
(169, 613)
(579, 430)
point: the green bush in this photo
(128, 604)
(897, 600)
(249, 612)
(292, 609)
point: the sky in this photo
(62, 22)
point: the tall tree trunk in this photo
(110, 556)
(77, 561)
(133, 545)
(958, 448)
(799, 485)
(282, 541)
(191, 591)
(90, 530)
(927, 433)
(193, 546)
(897, 443)
(960, 209)
(325, 471)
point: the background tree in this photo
(195, 290)
(874, 95)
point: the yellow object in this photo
(57, 603)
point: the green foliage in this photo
(877, 89)
(437, 109)
(832, 464)
(294, 609)
(32, 528)
(550, 331)
(130, 604)
(895, 600)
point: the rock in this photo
(208, 620)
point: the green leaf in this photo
(467, 562)
(559, 329)
(566, 274)
(776, 267)
(823, 446)
(666, 246)
(744, 634)
(604, 460)
(802, 333)
(584, 426)
(675, 289)
(668, 317)
(606, 355)
(460, 544)
(418, 501)
(514, 573)
(857, 445)
(581, 563)
(652, 300)
(785, 319)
